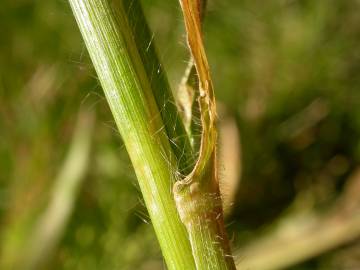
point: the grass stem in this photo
(108, 36)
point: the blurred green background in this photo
(286, 74)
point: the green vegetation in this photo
(285, 72)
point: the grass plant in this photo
(191, 231)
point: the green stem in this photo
(200, 209)
(108, 36)
(173, 123)
(198, 212)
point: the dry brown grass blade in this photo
(197, 196)
(192, 16)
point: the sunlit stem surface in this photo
(108, 36)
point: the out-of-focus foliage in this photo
(287, 71)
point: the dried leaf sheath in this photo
(197, 196)
(192, 10)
